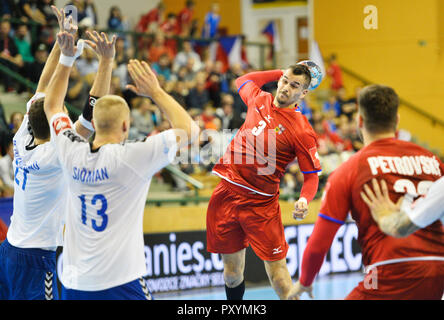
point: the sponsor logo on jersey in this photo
(61, 124)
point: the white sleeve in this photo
(63, 136)
(151, 155)
(430, 208)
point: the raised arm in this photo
(105, 50)
(53, 58)
(146, 84)
(56, 91)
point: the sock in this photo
(236, 293)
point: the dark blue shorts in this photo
(134, 290)
(27, 274)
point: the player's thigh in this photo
(265, 231)
(224, 233)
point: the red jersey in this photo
(268, 141)
(407, 168)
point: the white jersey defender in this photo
(108, 188)
(39, 192)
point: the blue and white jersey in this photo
(39, 192)
(104, 244)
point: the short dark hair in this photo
(378, 105)
(37, 120)
(300, 69)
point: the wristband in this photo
(87, 124)
(69, 61)
(88, 108)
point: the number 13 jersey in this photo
(103, 243)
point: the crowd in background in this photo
(204, 87)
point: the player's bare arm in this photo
(387, 214)
(58, 85)
(146, 84)
(105, 50)
(54, 55)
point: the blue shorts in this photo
(134, 290)
(27, 274)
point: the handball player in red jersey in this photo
(397, 268)
(244, 208)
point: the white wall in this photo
(252, 27)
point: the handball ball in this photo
(316, 73)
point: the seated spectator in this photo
(87, 64)
(34, 70)
(180, 92)
(143, 118)
(239, 105)
(159, 47)
(186, 75)
(162, 67)
(91, 13)
(185, 19)
(198, 96)
(8, 9)
(15, 122)
(9, 54)
(23, 42)
(182, 58)
(6, 168)
(30, 9)
(229, 119)
(151, 21)
(116, 21)
(78, 89)
(122, 54)
(44, 6)
(211, 22)
(332, 104)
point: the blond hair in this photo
(109, 112)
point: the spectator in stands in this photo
(34, 69)
(335, 73)
(170, 26)
(23, 42)
(91, 13)
(78, 89)
(182, 58)
(198, 96)
(226, 113)
(185, 19)
(180, 92)
(151, 21)
(211, 22)
(332, 104)
(9, 54)
(239, 105)
(159, 47)
(305, 109)
(6, 168)
(44, 6)
(87, 64)
(15, 122)
(143, 114)
(30, 10)
(116, 21)
(162, 67)
(8, 9)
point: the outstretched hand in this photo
(378, 200)
(65, 24)
(67, 45)
(298, 289)
(145, 80)
(102, 46)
